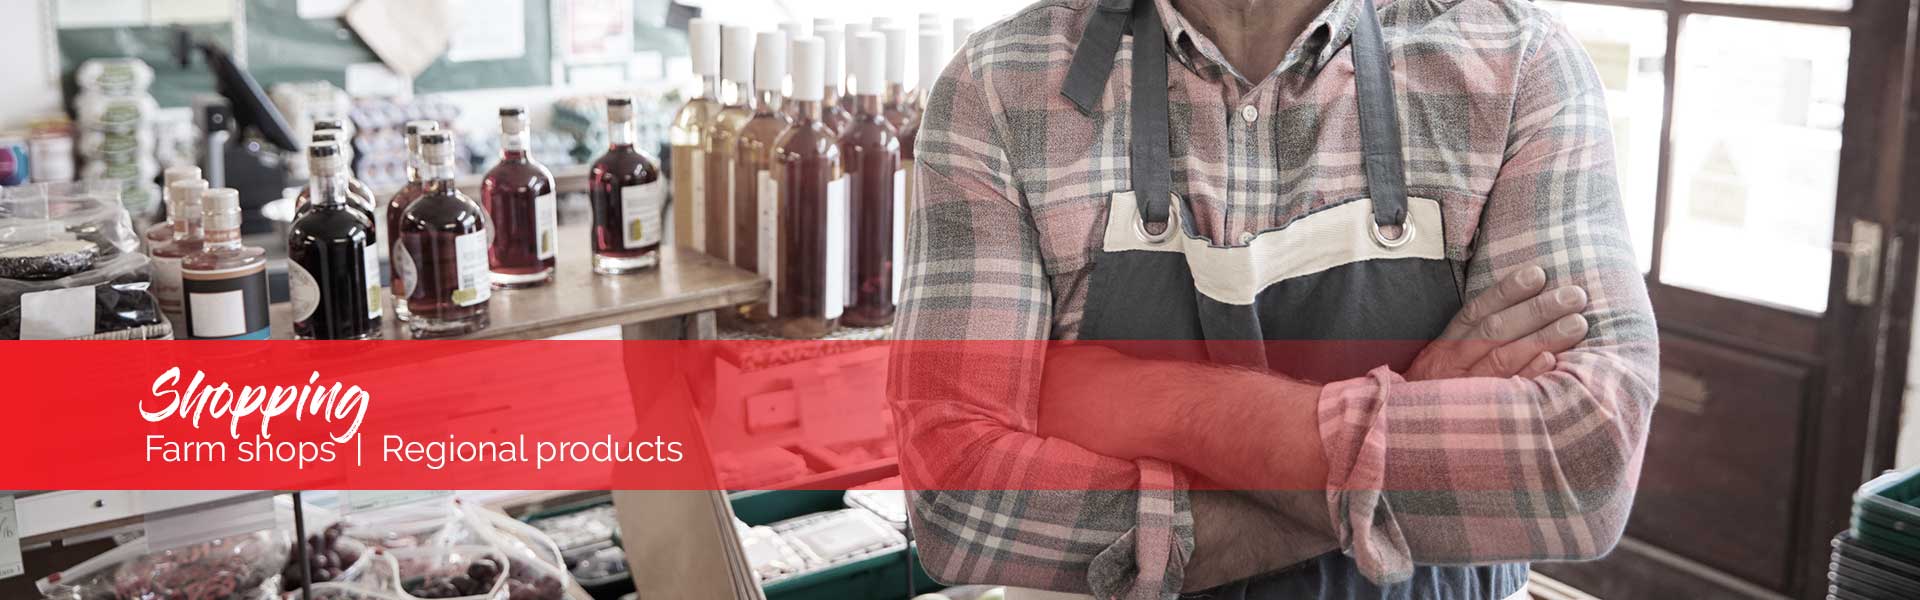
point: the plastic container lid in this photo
(896, 54)
(809, 79)
(703, 42)
(769, 60)
(736, 58)
(180, 173)
(867, 57)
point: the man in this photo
(1427, 356)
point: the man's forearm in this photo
(1245, 429)
(1237, 535)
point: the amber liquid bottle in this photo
(736, 62)
(628, 198)
(333, 259)
(691, 138)
(755, 193)
(518, 196)
(808, 256)
(397, 206)
(871, 153)
(444, 235)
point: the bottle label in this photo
(303, 292)
(767, 237)
(546, 225)
(837, 217)
(640, 210)
(371, 262)
(470, 268)
(228, 304)
(696, 201)
(902, 183)
(405, 273)
(166, 288)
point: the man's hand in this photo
(1511, 330)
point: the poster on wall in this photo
(489, 30)
(597, 29)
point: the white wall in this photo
(29, 84)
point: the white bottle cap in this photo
(896, 54)
(703, 42)
(794, 29)
(962, 29)
(867, 57)
(180, 173)
(809, 69)
(821, 25)
(881, 23)
(834, 68)
(856, 28)
(736, 58)
(928, 19)
(934, 54)
(769, 60)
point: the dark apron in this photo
(1360, 283)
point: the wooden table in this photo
(671, 301)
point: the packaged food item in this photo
(68, 266)
(769, 555)
(884, 499)
(537, 580)
(50, 145)
(840, 536)
(519, 540)
(601, 566)
(434, 572)
(328, 554)
(580, 528)
(114, 75)
(241, 567)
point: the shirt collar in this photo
(1316, 46)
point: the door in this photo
(1760, 147)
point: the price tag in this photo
(365, 500)
(10, 563)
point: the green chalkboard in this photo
(173, 85)
(283, 47)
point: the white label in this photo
(405, 273)
(546, 225)
(697, 196)
(302, 291)
(57, 314)
(206, 524)
(732, 233)
(372, 266)
(218, 314)
(166, 287)
(10, 563)
(899, 264)
(836, 248)
(470, 258)
(640, 210)
(768, 237)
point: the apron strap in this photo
(1379, 121)
(1150, 161)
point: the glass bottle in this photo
(691, 140)
(398, 206)
(359, 196)
(333, 259)
(806, 259)
(754, 189)
(871, 153)
(833, 115)
(518, 195)
(628, 199)
(160, 233)
(183, 221)
(225, 283)
(848, 34)
(790, 32)
(443, 249)
(896, 107)
(737, 63)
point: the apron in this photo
(1358, 284)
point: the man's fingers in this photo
(1521, 356)
(1516, 288)
(1540, 366)
(1530, 316)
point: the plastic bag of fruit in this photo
(462, 572)
(240, 567)
(436, 523)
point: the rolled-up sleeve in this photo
(993, 502)
(1474, 471)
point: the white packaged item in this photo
(841, 536)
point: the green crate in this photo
(880, 577)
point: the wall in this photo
(1908, 454)
(28, 86)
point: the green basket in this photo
(882, 577)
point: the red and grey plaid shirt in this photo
(1504, 124)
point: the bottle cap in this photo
(324, 158)
(220, 211)
(934, 54)
(513, 120)
(329, 125)
(928, 19)
(834, 61)
(962, 29)
(822, 25)
(794, 30)
(319, 150)
(619, 109)
(881, 23)
(769, 60)
(183, 199)
(414, 129)
(736, 59)
(436, 147)
(896, 54)
(856, 28)
(703, 42)
(180, 173)
(868, 57)
(809, 69)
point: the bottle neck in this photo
(621, 134)
(415, 165)
(896, 94)
(185, 227)
(831, 95)
(807, 110)
(867, 105)
(769, 102)
(513, 146)
(328, 188)
(741, 91)
(709, 87)
(437, 176)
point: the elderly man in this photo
(1424, 354)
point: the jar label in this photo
(546, 225)
(640, 207)
(227, 304)
(470, 269)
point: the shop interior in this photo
(1769, 156)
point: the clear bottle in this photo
(896, 104)
(849, 33)
(443, 236)
(518, 195)
(628, 199)
(333, 258)
(691, 140)
(183, 221)
(398, 206)
(806, 260)
(736, 61)
(225, 283)
(871, 152)
(359, 195)
(833, 115)
(754, 190)
(163, 231)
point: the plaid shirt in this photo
(1504, 124)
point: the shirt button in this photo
(1249, 113)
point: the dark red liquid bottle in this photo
(442, 254)
(628, 198)
(397, 206)
(333, 266)
(518, 195)
(871, 152)
(808, 262)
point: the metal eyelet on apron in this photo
(1140, 226)
(1406, 235)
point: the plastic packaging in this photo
(537, 580)
(580, 528)
(407, 526)
(769, 555)
(831, 538)
(70, 267)
(242, 567)
(464, 572)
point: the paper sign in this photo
(57, 314)
(10, 563)
(598, 29)
(72, 14)
(198, 525)
(322, 9)
(365, 500)
(171, 12)
(489, 30)
(375, 80)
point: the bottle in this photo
(628, 199)
(183, 220)
(398, 206)
(851, 31)
(835, 117)
(357, 191)
(442, 253)
(225, 283)
(898, 110)
(162, 232)
(934, 54)
(333, 258)
(871, 152)
(804, 254)
(736, 61)
(691, 139)
(754, 191)
(518, 195)
(789, 32)
(359, 196)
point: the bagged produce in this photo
(463, 572)
(69, 266)
(241, 567)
